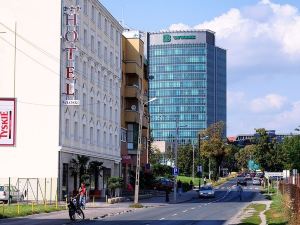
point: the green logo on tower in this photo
(166, 38)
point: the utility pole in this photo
(175, 161)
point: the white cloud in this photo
(235, 98)
(269, 102)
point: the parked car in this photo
(248, 177)
(206, 191)
(162, 183)
(241, 181)
(256, 181)
(13, 195)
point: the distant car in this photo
(206, 191)
(13, 195)
(256, 181)
(163, 183)
(241, 181)
(248, 177)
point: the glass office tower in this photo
(187, 75)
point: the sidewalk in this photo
(100, 209)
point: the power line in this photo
(32, 44)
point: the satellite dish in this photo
(133, 107)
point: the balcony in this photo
(133, 68)
(132, 91)
(132, 116)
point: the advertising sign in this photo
(7, 121)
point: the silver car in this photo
(206, 191)
(13, 195)
(256, 181)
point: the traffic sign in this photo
(273, 174)
(175, 171)
(199, 168)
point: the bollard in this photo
(66, 203)
(3, 209)
(32, 207)
(18, 208)
(94, 201)
(106, 198)
(45, 205)
(56, 202)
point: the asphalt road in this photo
(214, 211)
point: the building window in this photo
(105, 54)
(84, 69)
(85, 37)
(112, 32)
(98, 108)
(91, 105)
(93, 13)
(99, 78)
(104, 138)
(111, 59)
(99, 20)
(110, 113)
(65, 174)
(98, 137)
(110, 140)
(84, 101)
(76, 94)
(77, 2)
(117, 37)
(130, 136)
(117, 62)
(116, 115)
(92, 74)
(110, 85)
(123, 135)
(91, 135)
(76, 63)
(76, 131)
(83, 134)
(105, 25)
(92, 43)
(116, 141)
(99, 49)
(85, 7)
(104, 111)
(67, 128)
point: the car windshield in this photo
(1, 188)
(207, 188)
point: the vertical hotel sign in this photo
(70, 38)
(7, 121)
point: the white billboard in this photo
(7, 121)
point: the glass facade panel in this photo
(189, 82)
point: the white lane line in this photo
(161, 218)
(256, 188)
(205, 204)
(192, 208)
(184, 211)
(174, 214)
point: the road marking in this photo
(174, 214)
(161, 218)
(256, 188)
(192, 208)
(205, 204)
(184, 211)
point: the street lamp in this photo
(175, 163)
(138, 155)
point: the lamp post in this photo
(175, 163)
(138, 155)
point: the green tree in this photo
(159, 170)
(94, 169)
(244, 155)
(155, 155)
(113, 184)
(213, 145)
(229, 160)
(78, 167)
(291, 148)
(269, 154)
(185, 159)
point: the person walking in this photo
(167, 194)
(179, 187)
(240, 191)
(82, 194)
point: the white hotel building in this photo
(50, 133)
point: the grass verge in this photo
(10, 211)
(136, 205)
(277, 214)
(254, 219)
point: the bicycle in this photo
(75, 210)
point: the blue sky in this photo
(263, 52)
